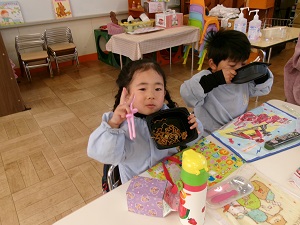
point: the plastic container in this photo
(170, 128)
(228, 191)
(274, 33)
(130, 27)
(249, 72)
(240, 23)
(254, 27)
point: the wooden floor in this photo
(45, 173)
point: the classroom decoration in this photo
(248, 134)
(62, 9)
(221, 162)
(10, 13)
(267, 204)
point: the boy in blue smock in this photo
(216, 101)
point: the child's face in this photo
(227, 64)
(149, 91)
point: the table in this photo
(111, 208)
(291, 35)
(134, 46)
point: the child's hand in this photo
(122, 109)
(192, 120)
(228, 75)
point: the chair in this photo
(60, 45)
(111, 177)
(205, 23)
(257, 55)
(32, 53)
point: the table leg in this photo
(170, 56)
(192, 66)
(121, 62)
(269, 56)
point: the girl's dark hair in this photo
(227, 44)
(127, 72)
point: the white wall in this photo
(82, 31)
(40, 10)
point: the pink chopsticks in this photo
(130, 120)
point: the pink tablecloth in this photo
(135, 45)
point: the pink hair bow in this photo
(130, 120)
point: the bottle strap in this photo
(174, 188)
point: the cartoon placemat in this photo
(221, 162)
(267, 204)
(246, 135)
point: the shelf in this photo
(136, 10)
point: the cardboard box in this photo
(147, 196)
(168, 20)
(154, 7)
(260, 4)
(227, 24)
(186, 19)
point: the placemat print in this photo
(221, 162)
(247, 134)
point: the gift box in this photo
(168, 19)
(148, 196)
(154, 7)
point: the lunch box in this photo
(170, 128)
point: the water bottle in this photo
(193, 188)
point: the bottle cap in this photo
(256, 17)
(242, 14)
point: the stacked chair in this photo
(32, 53)
(205, 23)
(60, 45)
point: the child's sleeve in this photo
(260, 89)
(106, 144)
(192, 92)
(211, 81)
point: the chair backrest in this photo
(58, 35)
(111, 177)
(30, 41)
(257, 55)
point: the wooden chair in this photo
(60, 45)
(32, 53)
